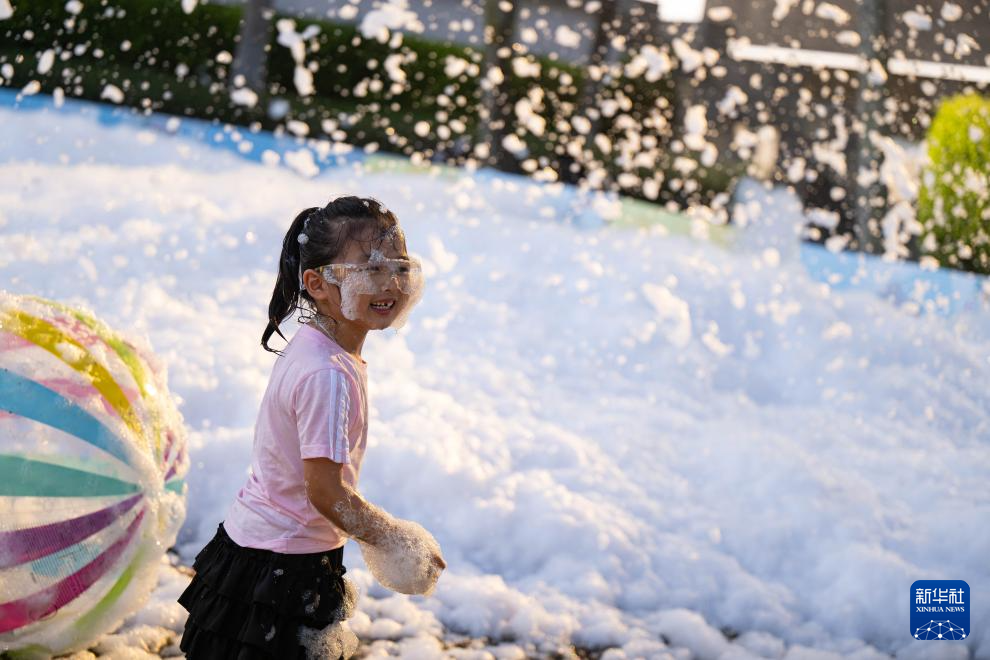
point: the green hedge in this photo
(162, 39)
(954, 197)
(343, 61)
(137, 45)
(160, 34)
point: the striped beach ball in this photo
(92, 461)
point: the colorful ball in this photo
(92, 462)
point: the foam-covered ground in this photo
(621, 439)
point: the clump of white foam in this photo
(112, 93)
(336, 640)
(404, 560)
(402, 555)
(390, 16)
(244, 96)
(296, 43)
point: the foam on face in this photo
(356, 284)
(351, 288)
(414, 295)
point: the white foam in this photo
(562, 482)
(404, 561)
(335, 641)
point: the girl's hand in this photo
(408, 560)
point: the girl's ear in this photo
(317, 287)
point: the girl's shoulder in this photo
(341, 362)
(314, 368)
(319, 352)
(325, 366)
(314, 387)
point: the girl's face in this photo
(371, 300)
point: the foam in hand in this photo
(403, 562)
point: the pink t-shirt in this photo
(315, 406)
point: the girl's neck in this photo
(348, 338)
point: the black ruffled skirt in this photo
(248, 604)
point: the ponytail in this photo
(288, 288)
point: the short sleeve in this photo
(323, 413)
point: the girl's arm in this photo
(342, 505)
(416, 567)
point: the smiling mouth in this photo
(383, 306)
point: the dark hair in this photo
(328, 231)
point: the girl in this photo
(273, 571)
